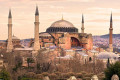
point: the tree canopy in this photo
(4, 75)
(111, 70)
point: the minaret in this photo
(110, 35)
(62, 18)
(36, 31)
(82, 28)
(9, 43)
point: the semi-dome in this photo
(62, 26)
(44, 35)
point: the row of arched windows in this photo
(59, 29)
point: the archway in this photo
(74, 42)
(90, 59)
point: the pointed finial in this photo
(62, 17)
(37, 12)
(10, 15)
(82, 18)
(111, 17)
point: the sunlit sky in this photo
(96, 15)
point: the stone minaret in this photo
(36, 31)
(9, 43)
(110, 35)
(82, 28)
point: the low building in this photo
(16, 42)
(1, 64)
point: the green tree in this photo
(111, 70)
(108, 63)
(4, 75)
(29, 60)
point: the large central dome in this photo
(62, 23)
(62, 26)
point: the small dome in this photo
(115, 77)
(15, 38)
(62, 23)
(106, 55)
(94, 77)
(72, 78)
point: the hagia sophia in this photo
(61, 34)
(62, 51)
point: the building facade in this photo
(63, 34)
(16, 42)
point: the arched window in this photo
(85, 61)
(90, 59)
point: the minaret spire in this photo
(82, 28)
(37, 11)
(82, 18)
(10, 15)
(9, 42)
(110, 34)
(111, 17)
(36, 33)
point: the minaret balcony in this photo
(36, 22)
(110, 28)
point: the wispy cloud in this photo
(82, 0)
(54, 0)
(103, 10)
(96, 14)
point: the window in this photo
(90, 59)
